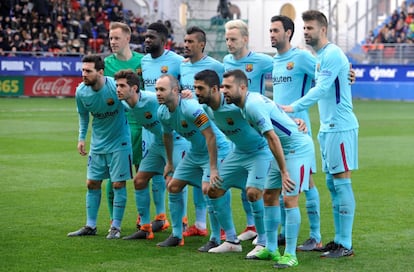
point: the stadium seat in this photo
(96, 45)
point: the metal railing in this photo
(385, 53)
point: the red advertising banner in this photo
(51, 86)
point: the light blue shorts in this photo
(155, 159)
(299, 168)
(242, 170)
(339, 151)
(194, 168)
(117, 166)
(147, 140)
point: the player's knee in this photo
(118, 185)
(140, 183)
(253, 194)
(291, 201)
(271, 197)
(174, 187)
(93, 185)
(214, 192)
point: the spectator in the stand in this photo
(223, 9)
(116, 15)
(55, 23)
(390, 36)
(4, 44)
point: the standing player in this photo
(158, 61)
(257, 67)
(143, 107)
(123, 58)
(338, 132)
(244, 168)
(293, 75)
(199, 166)
(293, 152)
(194, 44)
(110, 148)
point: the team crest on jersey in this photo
(164, 69)
(230, 121)
(290, 65)
(110, 102)
(148, 115)
(249, 67)
(184, 124)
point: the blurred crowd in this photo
(65, 27)
(399, 29)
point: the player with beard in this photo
(257, 67)
(197, 60)
(158, 61)
(244, 168)
(199, 166)
(293, 152)
(110, 147)
(143, 106)
(338, 131)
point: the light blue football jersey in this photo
(230, 121)
(168, 63)
(293, 75)
(145, 114)
(188, 120)
(264, 115)
(256, 66)
(332, 91)
(110, 129)
(189, 69)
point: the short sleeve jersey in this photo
(188, 71)
(110, 130)
(256, 66)
(145, 114)
(152, 68)
(188, 120)
(230, 121)
(264, 115)
(292, 77)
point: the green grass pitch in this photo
(42, 198)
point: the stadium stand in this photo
(64, 27)
(393, 40)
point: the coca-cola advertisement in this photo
(51, 86)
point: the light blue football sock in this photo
(335, 206)
(143, 204)
(282, 216)
(110, 198)
(346, 202)
(222, 208)
(200, 206)
(247, 208)
(176, 204)
(93, 200)
(271, 222)
(292, 229)
(214, 223)
(120, 199)
(185, 201)
(158, 193)
(313, 211)
(258, 212)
